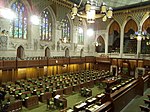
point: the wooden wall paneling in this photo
(87, 66)
(41, 71)
(114, 61)
(50, 70)
(22, 63)
(1, 64)
(45, 70)
(82, 67)
(31, 72)
(133, 64)
(9, 64)
(0, 77)
(140, 63)
(75, 67)
(120, 62)
(71, 68)
(6, 75)
(59, 71)
(14, 75)
(55, 69)
(78, 67)
(146, 62)
(21, 73)
(92, 65)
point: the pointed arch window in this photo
(80, 35)
(46, 26)
(20, 23)
(65, 30)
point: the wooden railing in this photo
(13, 64)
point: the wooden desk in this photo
(91, 101)
(31, 101)
(100, 96)
(76, 88)
(43, 97)
(79, 107)
(106, 107)
(15, 106)
(58, 91)
(60, 99)
(68, 90)
(109, 82)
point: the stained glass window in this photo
(46, 26)
(80, 35)
(66, 30)
(20, 23)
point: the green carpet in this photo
(133, 106)
(71, 101)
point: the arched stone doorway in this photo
(20, 52)
(47, 52)
(66, 52)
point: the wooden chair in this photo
(147, 102)
(144, 108)
(148, 96)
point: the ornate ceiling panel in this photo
(112, 3)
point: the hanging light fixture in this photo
(92, 11)
(139, 35)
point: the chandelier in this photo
(140, 35)
(92, 11)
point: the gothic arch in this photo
(29, 13)
(47, 52)
(26, 3)
(146, 24)
(130, 45)
(146, 16)
(114, 37)
(145, 43)
(20, 52)
(53, 16)
(100, 45)
(67, 52)
(81, 52)
(127, 20)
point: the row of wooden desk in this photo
(116, 101)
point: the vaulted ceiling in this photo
(113, 3)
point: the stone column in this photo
(121, 41)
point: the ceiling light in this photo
(92, 11)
